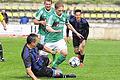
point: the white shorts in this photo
(59, 45)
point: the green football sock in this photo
(54, 56)
(58, 61)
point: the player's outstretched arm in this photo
(73, 30)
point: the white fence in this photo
(18, 30)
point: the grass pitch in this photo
(102, 61)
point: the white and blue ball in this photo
(74, 61)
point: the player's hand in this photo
(80, 36)
(43, 22)
(55, 51)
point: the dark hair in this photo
(48, 0)
(31, 38)
(77, 10)
(58, 4)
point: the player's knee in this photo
(64, 52)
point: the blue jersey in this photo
(31, 58)
(80, 26)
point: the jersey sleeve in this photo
(86, 24)
(87, 29)
(26, 58)
(38, 14)
(27, 62)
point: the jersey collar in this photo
(49, 10)
(58, 16)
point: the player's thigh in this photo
(49, 45)
(44, 72)
(61, 44)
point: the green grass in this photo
(102, 61)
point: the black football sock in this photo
(69, 76)
(65, 76)
(1, 51)
(82, 58)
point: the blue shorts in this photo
(44, 71)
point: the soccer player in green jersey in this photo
(54, 38)
(41, 18)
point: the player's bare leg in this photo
(82, 46)
(77, 51)
(80, 52)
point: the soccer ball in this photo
(74, 61)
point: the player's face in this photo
(59, 11)
(48, 5)
(34, 43)
(78, 15)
